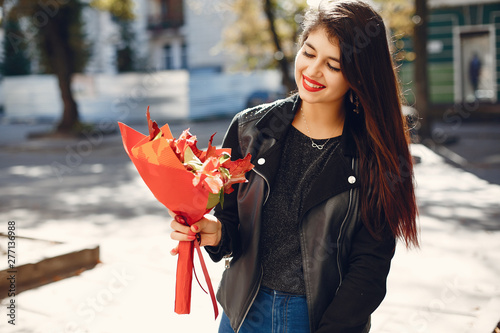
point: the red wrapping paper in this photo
(180, 190)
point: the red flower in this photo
(237, 170)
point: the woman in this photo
(312, 233)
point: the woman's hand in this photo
(208, 228)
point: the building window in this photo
(184, 57)
(169, 61)
(164, 9)
(165, 14)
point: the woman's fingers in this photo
(181, 232)
(178, 236)
(179, 227)
(174, 251)
(207, 231)
(171, 213)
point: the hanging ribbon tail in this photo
(198, 280)
(207, 279)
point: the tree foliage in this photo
(121, 9)
(397, 15)
(250, 35)
(67, 26)
(16, 60)
(247, 36)
(125, 54)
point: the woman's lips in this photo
(311, 85)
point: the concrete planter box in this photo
(39, 262)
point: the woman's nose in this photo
(314, 69)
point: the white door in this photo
(478, 66)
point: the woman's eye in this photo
(308, 55)
(333, 68)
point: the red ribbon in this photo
(184, 275)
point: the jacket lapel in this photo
(336, 177)
(274, 125)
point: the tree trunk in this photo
(421, 77)
(287, 80)
(58, 52)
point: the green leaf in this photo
(224, 157)
(225, 172)
(221, 197)
(213, 200)
(191, 159)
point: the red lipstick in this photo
(311, 85)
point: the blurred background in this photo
(71, 69)
(87, 60)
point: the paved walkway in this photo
(451, 284)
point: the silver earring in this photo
(355, 101)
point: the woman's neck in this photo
(320, 120)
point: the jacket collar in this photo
(279, 116)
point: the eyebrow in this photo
(312, 47)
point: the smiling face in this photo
(318, 74)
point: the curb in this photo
(52, 261)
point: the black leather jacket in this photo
(345, 268)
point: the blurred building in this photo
(188, 35)
(176, 44)
(463, 53)
(168, 35)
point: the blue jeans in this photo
(273, 312)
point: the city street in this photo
(87, 189)
(85, 245)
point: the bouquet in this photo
(189, 182)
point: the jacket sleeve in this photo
(363, 287)
(228, 214)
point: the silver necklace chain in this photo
(313, 144)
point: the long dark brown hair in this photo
(380, 129)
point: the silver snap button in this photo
(351, 179)
(261, 161)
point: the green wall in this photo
(440, 64)
(441, 82)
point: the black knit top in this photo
(280, 239)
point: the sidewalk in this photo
(451, 284)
